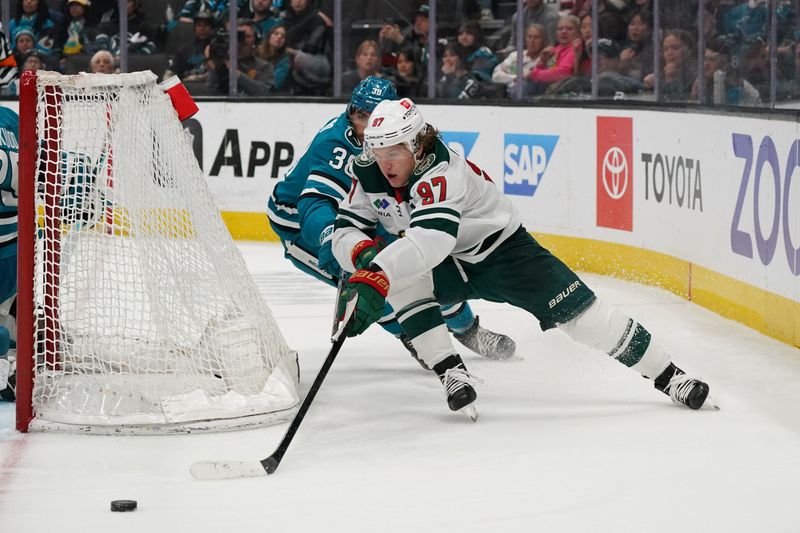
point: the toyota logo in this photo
(615, 173)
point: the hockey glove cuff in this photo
(325, 258)
(365, 251)
(372, 288)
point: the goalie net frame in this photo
(33, 157)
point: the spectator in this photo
(405, 75)
(480, 59)
(254, 76)
(273, 50)
(73, 34)
(219, 8)
(102, 62)
(636, 59)
(749, 19)
(583, 48)
(612, 18)
(34, 60)
(264, 15)
(24, 41)
(556, 62)
(34, 15)
(307, 28)
(308, 43)
(678, 71)
(610, 83)
(457, 81)
(416, 35)
(755, 65)
(536, 11)
(729, 88)
(141, 34)
(189, 62)
(367, 64)
(391, 41)
(535, 42)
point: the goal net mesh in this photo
(146, 314)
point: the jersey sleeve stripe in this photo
(329, 181)
(438, 224)
(420, 212)
(284, 224)
(311, 193)
(284, 206)
(435, 216)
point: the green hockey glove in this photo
(372, 288)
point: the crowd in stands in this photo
(285, 47)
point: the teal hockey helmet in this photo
(370, 92)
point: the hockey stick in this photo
(336, 318)
(207, 470)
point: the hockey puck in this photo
(123, 506)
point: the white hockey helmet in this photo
(394, 122)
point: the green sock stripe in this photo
(635, 350)
(420, 319)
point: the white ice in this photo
(567, 441)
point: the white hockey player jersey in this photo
(449, 207)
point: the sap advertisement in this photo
(715, 191)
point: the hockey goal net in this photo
(136, 312)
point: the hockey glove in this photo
(365, 251)
(372, 288)
(325, 258)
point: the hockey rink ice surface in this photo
(567, 440)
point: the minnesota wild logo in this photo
(424, 165)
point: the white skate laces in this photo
(680, 386)
(455, 379)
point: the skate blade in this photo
(471, 412)
(709, 405)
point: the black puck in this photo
(123, 506)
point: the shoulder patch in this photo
(363, 160)
(424, 165)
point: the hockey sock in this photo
(619, 336)
(423, 323)
(458, 317)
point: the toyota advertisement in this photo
(615, 172)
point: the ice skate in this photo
(487, 343)
(458, 384)
(682, 388)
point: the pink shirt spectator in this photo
(547, 72)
